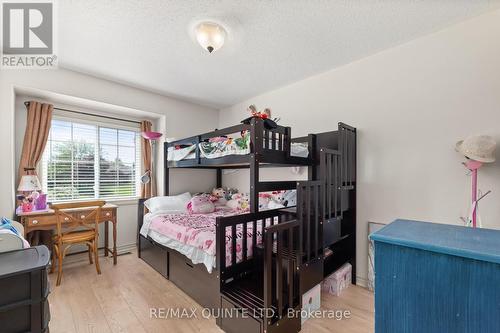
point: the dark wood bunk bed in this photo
(292, 257)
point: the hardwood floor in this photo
(120, 300)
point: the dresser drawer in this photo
(33, 221)
(107, 214)
(104, 215)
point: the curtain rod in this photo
(91, 114)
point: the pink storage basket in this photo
(338, 280)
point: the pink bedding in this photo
(198, 230)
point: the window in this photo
(88, 160)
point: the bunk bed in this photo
(264, 261)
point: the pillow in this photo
(168, 203)
(201, 204)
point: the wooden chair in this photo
(74, 228)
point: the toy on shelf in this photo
(478, 149)
(265, 115)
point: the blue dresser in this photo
(436, 278)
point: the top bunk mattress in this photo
(212, 150)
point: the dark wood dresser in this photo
(24, 289)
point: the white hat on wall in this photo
(478, 147)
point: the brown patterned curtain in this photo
(147, 190)
(35, 137)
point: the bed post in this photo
(140, 220)
(312, 169)
(256, 131)
(166, 175)
(353, 198)
(219, 178)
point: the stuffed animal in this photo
(234, 201)
(220, 194)
(274, 205)
(264, 199)
(277, 200)
(290, 198)
(201, 204)
(265, 115)
(230, 192)
(239, 201)
(244, 202)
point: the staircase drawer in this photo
(233, 322)
(154, 255)
(194, 280)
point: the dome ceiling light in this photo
(210, 36)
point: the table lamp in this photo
(30, 184)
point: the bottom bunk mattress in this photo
(193, 235)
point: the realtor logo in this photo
(28, 34)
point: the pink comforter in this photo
(198, 230)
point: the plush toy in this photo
(274, 205)
(220, 195)
(290, 198)
(277, 200)
(264, 199)
(201, 204)
(234, 201)
(265, 115)
(239, 201)
(244, 202)
(230, 192)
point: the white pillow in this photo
(168, 203)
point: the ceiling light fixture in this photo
(210, 36)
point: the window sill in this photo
(116, 201)
(123, 201)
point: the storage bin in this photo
(311, 301)
(436, 278)
(154, 254)
(338, 280)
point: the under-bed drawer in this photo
(155, 255)
(194, 280)
(235, 321)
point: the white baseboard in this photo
(362, 282)
(126, 248)
(83, 256)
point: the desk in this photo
(46, 220)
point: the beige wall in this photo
(173, 117)
(410, 104)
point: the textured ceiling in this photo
(147, 44)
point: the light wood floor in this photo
(120, 299)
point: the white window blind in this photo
(89, 160)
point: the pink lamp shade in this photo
(151, 135)
(29, 183)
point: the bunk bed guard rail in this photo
(281, 271)
(347, 147)
(235, 227)
(262, 140)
